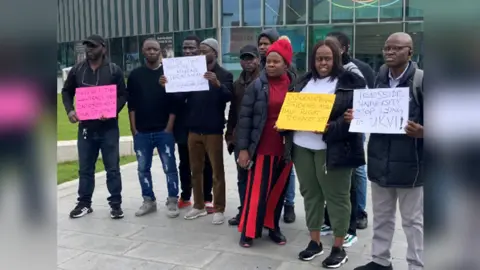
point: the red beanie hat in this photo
(283, 47)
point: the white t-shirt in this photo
(307, 139)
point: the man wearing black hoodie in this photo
(266, 38)
(96, 135)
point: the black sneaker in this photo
(277, 237)
(313, 250)
(374, 266)
(80, 210)
(289, 214)
(116, 212)
(362, 221)
(337, 258)
(235, 221)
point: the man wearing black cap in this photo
(250, 61)
(96, 135)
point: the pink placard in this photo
(94, 102)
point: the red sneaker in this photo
(209, 207)
(183, 204)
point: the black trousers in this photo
(353, 214)
(186, 175)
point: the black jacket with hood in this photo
(81, 75)
(273, 36)
(396, 160)
(344, 149)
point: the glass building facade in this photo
(235, 23)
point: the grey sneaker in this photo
(196, 213)
(172, 207)
(147, 207)
(218, 218)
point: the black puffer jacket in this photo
(344, 149)
(253, 113)
(396, 160)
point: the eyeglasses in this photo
(394, 48)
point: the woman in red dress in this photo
(262, 146)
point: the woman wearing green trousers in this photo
(324, 161)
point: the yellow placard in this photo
(305, 111)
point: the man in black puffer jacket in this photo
(395, 162)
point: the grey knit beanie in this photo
(212, 43)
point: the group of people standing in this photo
(329, 165)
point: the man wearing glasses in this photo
(96, 135)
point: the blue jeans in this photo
(144, 144)
(89, 144)
(290, 193)
(360, 174)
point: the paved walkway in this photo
(156, 242)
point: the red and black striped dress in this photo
(268, 177)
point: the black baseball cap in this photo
(250, 50)
(94, 39)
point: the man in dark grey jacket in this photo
(395, 163)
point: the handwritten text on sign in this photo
(94, 102)
(185, 74)
(383, 110)
(305, 112)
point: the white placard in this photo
(382, 110)
(185, 74)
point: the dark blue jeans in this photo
(242, 178)
(90, 143)
(144, 144)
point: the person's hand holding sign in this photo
(414, 130)
(163, 80)
(72, 116)
(212, 77)
(348, 115)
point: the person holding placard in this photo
(152, 117)
(261, 147)
(98, 133)
(395, 162)
(205, 122)
(324, 161)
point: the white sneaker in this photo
(349, 240)
(326, 230)
(218, 218)
(172, 207)
(195, 213)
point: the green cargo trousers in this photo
(317, 186)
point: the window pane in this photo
(273, 12)
(297, 37)
(251, 12)
(196, 14)
(131, 55)
(167, 44)
(366, 12)
(391, 10)
(116, 51)
(342, 10)
(319, 11)
(320, 33)
(296, 12)
(230, 13)
(70, 54)
(370, 40)
(416, 31)
(233, 39)
(186, 14)
(209, 13)
(414, 9)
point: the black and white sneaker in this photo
(313, 250)
(337, 258)
(80, 210)
(116, 212)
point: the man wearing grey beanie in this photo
(206, 122)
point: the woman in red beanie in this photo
(262, 146)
